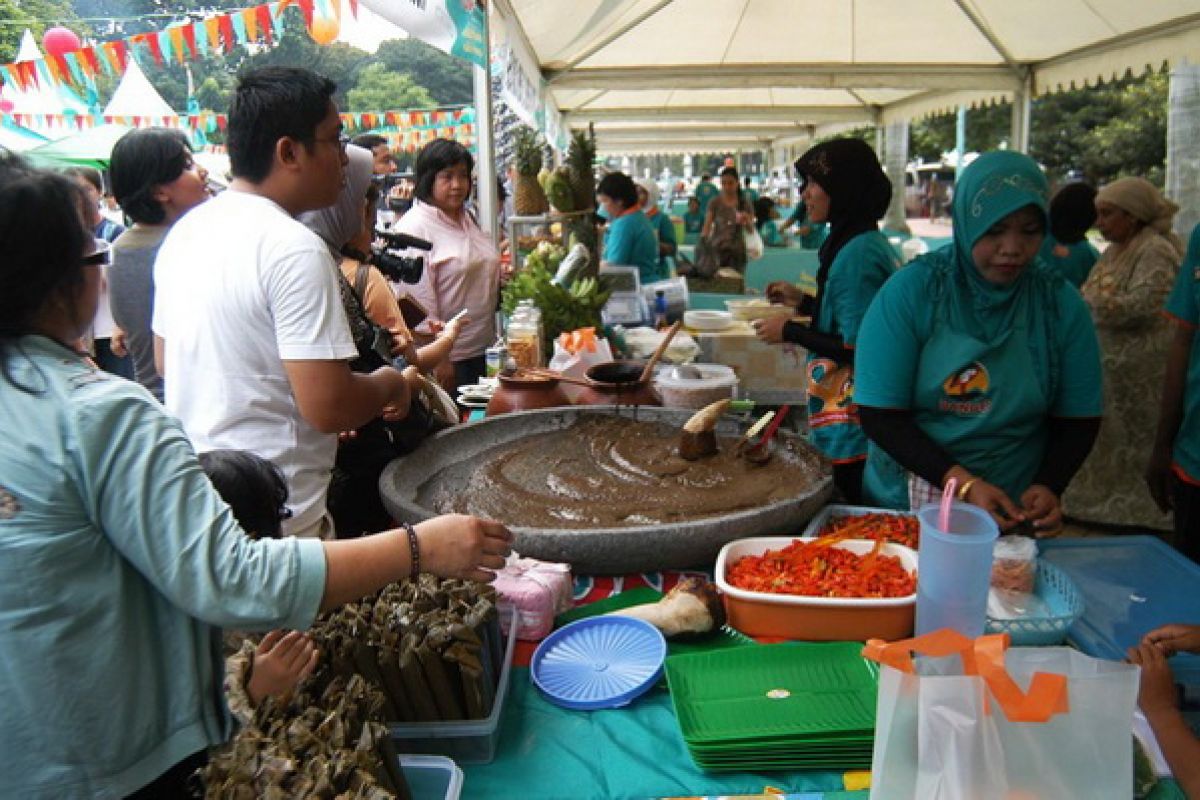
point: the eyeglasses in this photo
(98, 258)
(342, 140)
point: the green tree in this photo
(447, 78)
(380, 89)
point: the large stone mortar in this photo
(595, 551)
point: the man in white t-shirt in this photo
(248, 317)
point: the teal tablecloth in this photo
(549, 753)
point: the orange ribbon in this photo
(984, 657)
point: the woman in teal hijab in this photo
(977, 362)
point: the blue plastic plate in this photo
(600, 662)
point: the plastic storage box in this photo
(432, 777)
(1063, 607)
(836, 510)
(716, 382)
(814, 618)
(471, 741)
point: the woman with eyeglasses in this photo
(462, 271)
(119, 562)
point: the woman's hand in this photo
(744, 219)
(996, 502)
(1043, 509)
(118, 343)
(444, 373)
(784, 293)
(281, 660)
(1156, 685)
(1159, 478)
(770, 329)
(453, 328)
(458, 546)
(1174, 638)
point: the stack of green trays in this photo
(792, 706)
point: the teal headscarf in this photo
(995, 185)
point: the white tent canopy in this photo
(640, 69)
(135, 96)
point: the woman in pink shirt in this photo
(463, 269)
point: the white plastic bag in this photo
(1032, 722)
(574, 354)
(754, 244)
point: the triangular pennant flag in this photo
(277, 21)
(165, 45)
(263, 17)
(249, 20)
(354, 8)
(306, 8)
(57, 64)
(43, 74)
(238, 26)
(88, 56)
(79, 122)
(222, 121)
(150, 40)
(228, 32)
(76, 68)
(33, 77)
(195, 43)
(212, 26)
(176, 36)
(13, 75)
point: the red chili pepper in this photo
(813, 569)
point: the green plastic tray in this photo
(809, 692)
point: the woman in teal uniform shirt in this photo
(977, 362)
(844, 185)
(664, 229)
(630, 239)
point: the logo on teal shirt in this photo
(967, 391)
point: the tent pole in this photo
(485, 155)
(1022, 105)
(1183, 143)
(895, 160)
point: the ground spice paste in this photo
(612, 472)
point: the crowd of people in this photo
(258, 333)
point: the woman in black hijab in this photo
(844, 186)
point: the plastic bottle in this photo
(660, 310)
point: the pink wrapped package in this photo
(540, 590)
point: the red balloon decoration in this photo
(6, 106)
(324, 29)
(59, 40)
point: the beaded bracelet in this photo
(415, 551)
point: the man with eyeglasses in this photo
(254, 340)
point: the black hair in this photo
(253, 487)
(142, 160)
(43, 239)
(706, 177)
(746, 181)
(762, 210)
(1072, 212)
(89, 174)
(368, 141)
(434, 157)
(269, 104)
(729, 171)
(619, 187)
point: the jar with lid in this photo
(522, 339)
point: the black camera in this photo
(385, 254)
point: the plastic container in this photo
(432, 777)
(820, 619)
(956, 569)
(753, 308)
(699, 319)
(599, 662)
(837, 510)
(716, 382)
(471, 741)
(1063, 604)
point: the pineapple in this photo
(528, 197)
(581, 157)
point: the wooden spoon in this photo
(537, 372)
(662, 347)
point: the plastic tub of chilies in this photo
(821, 619)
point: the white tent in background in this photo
(42, 99)
(136, 97)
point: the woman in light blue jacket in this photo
(118, 560)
